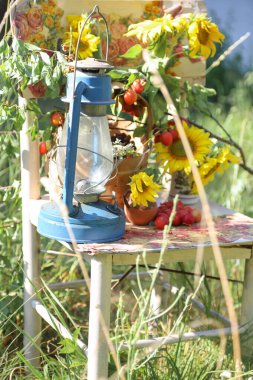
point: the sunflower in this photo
(202, 34)
(88, 43)
(75, 22)
(149, 31)
(216, 164)
(143, 189)
(174, 157)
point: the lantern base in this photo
(98, 222)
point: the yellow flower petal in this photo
(174, 158)
(143, 189)
(202, 34)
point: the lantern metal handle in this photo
(92, 13)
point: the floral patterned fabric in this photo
(39, 23)
(231, 230)
(43, 23)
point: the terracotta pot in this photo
(139, 215)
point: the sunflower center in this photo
(84, 45)
(177, 149)
(203, 36)
(144, 187)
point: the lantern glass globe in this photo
(94, 163)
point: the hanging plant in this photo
(32, 73)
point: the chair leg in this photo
(247, 307)
(32, 320)
(30, 164)
(99, 316)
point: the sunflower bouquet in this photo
(176, 44)
(210, 157)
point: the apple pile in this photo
(183, 215)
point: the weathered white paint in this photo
(175, 338)
(247, 306)
(30, 190)
(99, 317)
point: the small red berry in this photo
(157, 138)
(161, 221)
(188, 219)
(138, 85)
(127, 108)
(171, 123)
(197, 215)
(166, 138)
(169, 204)
(168, 212)
(197, 59)
(130, 97)
(43, 148)
(136, 111)
(175, 134)
(176, 220)
(179, 51)
(180, 205)
(57, 119)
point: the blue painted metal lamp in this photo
(85, 160)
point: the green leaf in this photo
(33, 131)
(133, 53)
(23, 84)
(3, 46)
(160, 46)
(117, 107)
(69, 346)
(60, 58)
(131, 78)
(36, 71)
(33, 106)
(47, 134)
(49, 79)
(38, 375)
(139, 131)
(118, 74)
(45, 58)
(57, 73)
(19, 47)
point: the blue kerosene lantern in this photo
(85, 162)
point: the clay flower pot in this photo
(139, 215)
